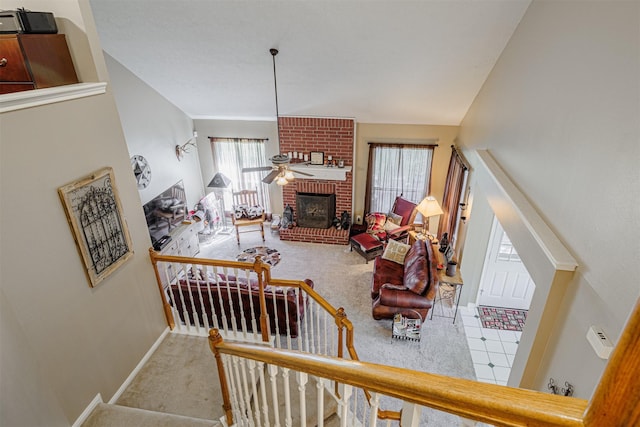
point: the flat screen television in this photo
(165, 211)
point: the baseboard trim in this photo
(88, 410)
(139, 366)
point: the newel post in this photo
(215, 339)
(340, 316)
(259, 268)
(165, 304)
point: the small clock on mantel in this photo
(141, 170)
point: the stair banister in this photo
(494, 404)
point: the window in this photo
(453, 199)
(396, 169)
(231, 155)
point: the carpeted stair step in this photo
(105, 415)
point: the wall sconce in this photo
(181, 150)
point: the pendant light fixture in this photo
(285, 176)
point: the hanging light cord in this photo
(274, 52)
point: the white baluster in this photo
(254, 391)
(345, 395)
(286, 316)
(212, 279)
(263, 393)
(308, 323)
(245, 389)
(301, 379)
(238, 384)
(410, 416)
(288, 422)
(320, 402)
(234, 325)
(254, 324)
(273, 372)
(237, 414)
(301, 330)
(243, 318)
(375, 405)
(199, 282)
(223, 313)
(274, 302)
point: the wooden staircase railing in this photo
(616, 402)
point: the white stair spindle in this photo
(223, 312)
(263, 393)
(343, 407)
(320, 401)
(286, 316)
(254, 324)
(375, 405)
(301, 379)
(238, 384)
(410, 414)
(288, 422)
(275, 317)
(254, 390)
(273, 378)
(301, 329)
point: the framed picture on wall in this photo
(317, 158)
(94, 213)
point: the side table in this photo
(453, 285)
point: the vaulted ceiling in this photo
(405, 62)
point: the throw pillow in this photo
(395, 218)
(375, 222)
(254, 212)
(240, 212)
(389, 226)
(396, 251)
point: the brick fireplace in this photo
(333, 137)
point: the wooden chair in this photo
(248, 199)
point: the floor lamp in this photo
(219, 183)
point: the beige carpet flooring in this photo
(181, 377)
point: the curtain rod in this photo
(401, 144)
(222, 138)
(460, 156)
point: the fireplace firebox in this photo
(315, 210)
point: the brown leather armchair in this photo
(397, 288)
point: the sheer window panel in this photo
(396, 170)
(231, 155)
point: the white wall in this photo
(153, 127)
(559, 113)
(62, 341)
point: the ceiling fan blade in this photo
(301, 173)
(258, 168)
(269, 178)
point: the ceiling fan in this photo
(281, 172)
(280, 169)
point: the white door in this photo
(505, 281)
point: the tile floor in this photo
(492, 350)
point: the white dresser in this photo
(184, 240)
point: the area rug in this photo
(508, 319)
(267, 255)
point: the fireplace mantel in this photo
(322, 172)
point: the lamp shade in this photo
(429, 206)
(219, 181)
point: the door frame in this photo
(548, 261)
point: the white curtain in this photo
(231, 155)
(398, 170)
